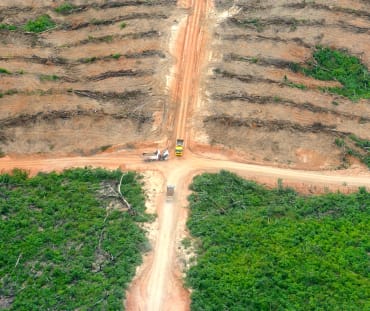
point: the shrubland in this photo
(334, 65)
(260, 249)
(66, 241)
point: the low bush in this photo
(8, 27)
(333, 65)
(40, 24)
(49, 77)
(65, 8)
(4, 71)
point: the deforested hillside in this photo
(288, 82)
(80, 76)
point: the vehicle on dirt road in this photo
(170, 192)
(156, 156)
(179, 147)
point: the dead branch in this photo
(122, 197)
(19, 258)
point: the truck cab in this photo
(179, 147)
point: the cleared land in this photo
(98, 78)
(260, 249)
(192, 112)
(256, 104)
(68, 241)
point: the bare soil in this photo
(186, 71)
(247, 107)
(109, 83)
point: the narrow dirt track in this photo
(158, 287)
(158, 284)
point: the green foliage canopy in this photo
(40, 24)
(329, 64)
(60, 249)
(262, 249)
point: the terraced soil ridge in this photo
(96, 79)
(258, 105)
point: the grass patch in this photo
(49, 78)
(60, 248)
(11, 92)
(333, 65)
(65, 8)
(261, 249)
(292, 84)
(255, 22)
(356, 147)
(4, 71)
(40, 24)
(364, 146)
(116, 56)
(8, 27)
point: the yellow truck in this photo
(179, 147)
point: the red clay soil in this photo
(158, 284)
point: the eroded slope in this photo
(256, 104)
(97, 79)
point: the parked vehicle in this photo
(179, 147)
(156, 155)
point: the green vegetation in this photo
(123, 25)
(356, 147)
(8, 92)
(49, 78)
(4, 71)
(61, 247)
(116, 56)
(40, 24)
(292, 84)
(255, 22)
(105, 147)
(65, 8)
(364, 146)
(89, 59)
(260, 249)
(333, 65)
(8, 27)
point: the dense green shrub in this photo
(262, 249)
(333, 65)
(40, 24)
(60, 249)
